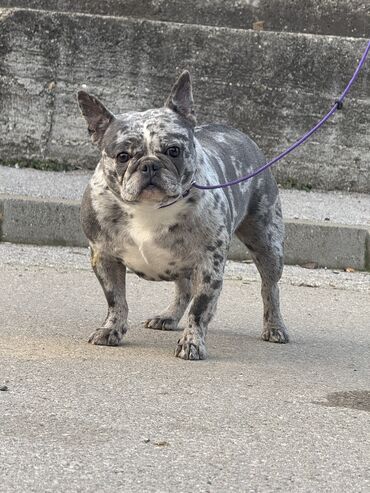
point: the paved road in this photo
(254, 417)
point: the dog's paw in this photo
(191, 346)
(107, 336)
(277, 334)
(160, 323)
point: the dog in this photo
(141, 212)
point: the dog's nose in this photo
(149, 168)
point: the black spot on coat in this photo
(216, 284)
(199, 306)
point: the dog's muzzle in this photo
(149, 170)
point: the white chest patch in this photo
(145, 255)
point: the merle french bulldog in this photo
(139, 211)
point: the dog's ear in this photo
(181, 98)
(97, 116)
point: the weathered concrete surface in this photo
(65, 185)
(40, 221)
(330, 245)
(274, 86)
(64, 258)
(338, 207)
(326, 244)
(1, 218)
(57, 222)
(254, 417)
(330, 17)
(330, 229)
(335, 246)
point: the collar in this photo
(180, 197)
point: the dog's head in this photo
(149, 155)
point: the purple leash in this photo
(337, 106)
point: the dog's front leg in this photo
(112, 277)
(207, 284)
(169, 319)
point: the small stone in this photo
(161, 444)
(258, 26)
(3, 388)
(310, 265)
(51, 85)
(146, 440)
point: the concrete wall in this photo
(333, 17)
(274, 86)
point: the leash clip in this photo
(339, 104)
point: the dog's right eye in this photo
(122, 157)
(173, 151)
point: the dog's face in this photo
(150, 155)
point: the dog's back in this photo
(232, 154)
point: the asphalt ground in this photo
(254, 417)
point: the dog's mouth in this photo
(152, 192)
(152, 189)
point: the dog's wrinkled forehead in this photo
(148, 131)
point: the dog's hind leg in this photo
(169, 319)
(262, 231)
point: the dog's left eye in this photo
(173, 151)
(123, 157)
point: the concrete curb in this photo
(41, 221)
(335, 246)
(56, 222)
